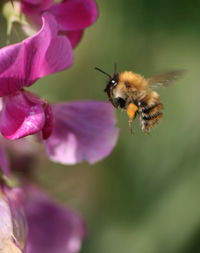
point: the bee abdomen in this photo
(152, 109)
(150, 116)
(153, 116)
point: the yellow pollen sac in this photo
(131, 110)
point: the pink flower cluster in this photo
(71, 132)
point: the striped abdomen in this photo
(150, 111)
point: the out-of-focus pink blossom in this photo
(73, 16)
(30, 222)
(12, 221)
(52, 228)
(82, 131)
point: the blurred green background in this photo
(145, 197)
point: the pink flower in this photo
(82, 130)
(73, 16)
(52, 228)
(12, 221)
(73, 132)
(20, 66)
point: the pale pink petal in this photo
(4, 161)
(12, 222)
(21, 115)
(74, 37)
(82, 131)
(75, 14)
(15, 198)
(40, 55)
(6, 226)
(53, 228)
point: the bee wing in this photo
(165, 79)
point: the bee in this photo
(134, 93)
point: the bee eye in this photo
(113, 82)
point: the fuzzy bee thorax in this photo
(132, 80)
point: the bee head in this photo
(113, 80)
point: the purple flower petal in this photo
(75, 14)
(4, 162)
(40, 55)
(12, 222)
(22, 114)
(52, 228)
(74, 37)
(82, 131)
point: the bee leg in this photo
(131, 111)
(130, 121)
(146, 132)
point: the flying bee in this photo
(135, 94)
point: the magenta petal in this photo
(40, 55)
(82, 131)
(52, 227)
(4, 162)
(33, 2)
(33, 7)
(75, 14)
(74, 37)
(21, 115)
(48, 126)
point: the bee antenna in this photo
(102, 71)
(115, 67)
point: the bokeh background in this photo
(145, 197)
